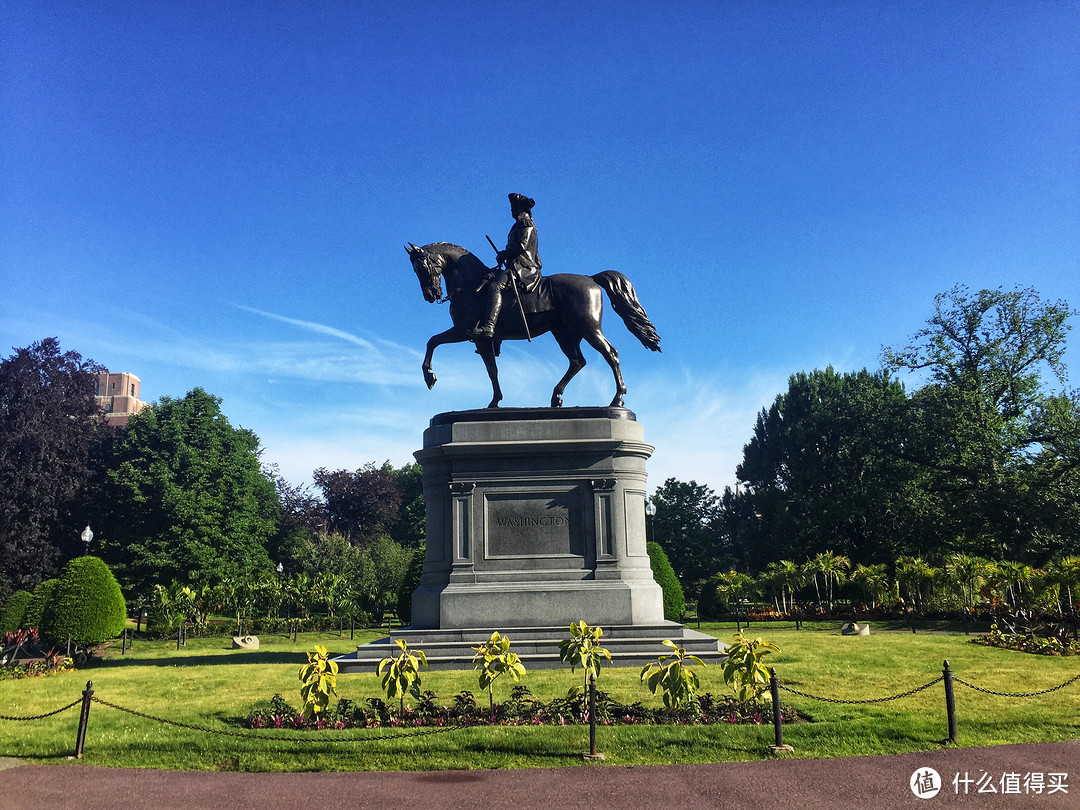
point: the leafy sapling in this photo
(744, 671)
(402, 675)
(671, 675)
(494, 659)
(319, 681)
(583, 650)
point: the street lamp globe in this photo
(87, 535)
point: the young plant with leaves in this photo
(494, 659)
(671, 675)
(583, 650)
(402, 673)
(743, 670)
(319, 681)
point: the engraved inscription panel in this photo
(534, 524)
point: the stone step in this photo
(447, 650)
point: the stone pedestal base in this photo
(535, 518)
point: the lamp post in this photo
(87, 535)
(650, 513)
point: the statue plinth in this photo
(535, 518)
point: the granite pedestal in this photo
(536, 519)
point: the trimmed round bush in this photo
(11, 615)
(36, 609)
(87, 604)
(664, 574)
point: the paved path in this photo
(837, 784)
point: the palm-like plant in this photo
(1065, 572)
(968, 574)
(1011, 579)
(833, 568)
(913, 573)
(873, 580)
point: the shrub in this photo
(664, 574)
(36, 609)
(87, 604)
(11, 616)
(410, 584)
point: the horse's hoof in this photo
(556, 401)
(493, 404)
(430, 379)
(616, 403)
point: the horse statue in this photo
(569, 306)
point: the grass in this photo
(206, 683)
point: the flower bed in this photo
(520, 710)
(1037, 645)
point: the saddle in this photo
(539, 300)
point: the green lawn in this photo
(206, 683)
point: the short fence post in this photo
(777, 715)
(69, 646)
(950, 702)
(352, 626)
(593, 753)
(84, 716)
(123, 642)
(179, 633)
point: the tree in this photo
(49, 423)
(685, 527)
(822, 472)
(995, 448)
(186, 497)
(360, 505)
(410, 528)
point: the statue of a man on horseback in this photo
(517, 267)
(567, 305)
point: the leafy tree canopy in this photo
(186, 497)
(48, 424)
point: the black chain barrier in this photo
(909, 693)
(43, 716)
(1017, 694)
(264, 738)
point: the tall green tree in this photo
(186, 497)
(822, 472)
(49, 424)
(685, 527)
(998, 449)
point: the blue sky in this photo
(217, 194)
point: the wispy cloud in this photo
(318, 328)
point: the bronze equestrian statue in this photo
(568, 305)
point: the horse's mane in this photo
(465, 261)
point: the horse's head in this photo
(428, 268)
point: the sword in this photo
(517, 295)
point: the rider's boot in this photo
(486, 329)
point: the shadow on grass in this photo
(236, 657)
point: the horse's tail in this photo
(625, 303)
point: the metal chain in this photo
(875, 700)
(1016, 694)
(264, 738)
(43, 716)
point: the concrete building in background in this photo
(118, 397)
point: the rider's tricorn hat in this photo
(519, 202)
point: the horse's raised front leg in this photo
(486, 349)
(452, 335)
